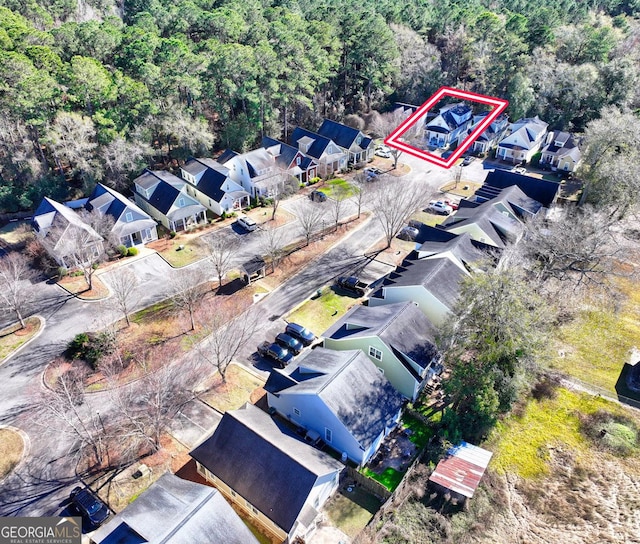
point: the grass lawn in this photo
(460, 190)
(318, 314)
(430, 219)
(351, 511)
(193, 250)
(13, 337)
(16, 232)
(521, 443)
(598, 342)
(235, 392)
(420, 433)
(390, 477)
(11, 447)
(334, 185)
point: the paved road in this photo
(41, 485)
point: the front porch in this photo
(139, 238)
(184, 223)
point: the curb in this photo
(79, 297)
(25, 451)
(43, 323)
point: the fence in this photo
(373, 487)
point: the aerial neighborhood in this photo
(271, 298)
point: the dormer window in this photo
(298, 161)
(181, 202)
(128, 217)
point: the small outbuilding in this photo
(461, 470)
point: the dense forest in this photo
(94, 91)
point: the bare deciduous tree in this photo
(272, 243)
(393, 203)
(123, 287)
(338, 197)
(310, 217)
(220, 251)
(16, 291)
(360, 191)
(186, 291)
(226, 336)
(64, 403)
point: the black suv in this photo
(276, 353)
(318, 196)
(300, 333)
(289, 342)
(89, 506)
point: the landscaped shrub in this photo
(122, 250)
(172, 234)
(91, 347)
(62, 271)
(132, 251)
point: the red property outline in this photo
(393, 139)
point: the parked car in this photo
(352, 284)
(468, 160)
(520, 170)
(300, 333)
(385, 154)
(281, 356)
(372, 172)
(408, 233)
(439, 207)
(318, 196)
(247, 223)
(454, 205)
(89, 506)
(289, 342)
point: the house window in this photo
(209, 202)
(129, 217)
(298, 161)
(296, 412)
(381, 370)
(181, 202)
(375, 353)
(328, 435)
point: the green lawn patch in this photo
(318, 314)
(350, 511)
(521, 443)
(332, 186)
(191, 251)
(430, 219)
(159, 310)
(597, 343)
(420, 432)
(390, 478)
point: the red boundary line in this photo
(393, 139)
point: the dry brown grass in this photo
(239, 387)
(13, 337)
(76, 285)
(11, 448)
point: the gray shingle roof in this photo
(537, 189)
(351, 387)
(402, 326)
(440, 276)
(460, 245)
(176, 511)
(272, 470)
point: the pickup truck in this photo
(352, 285)
(276, 353)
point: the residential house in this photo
(330, 157)
(271, 477)
(397, 338)
(492, 135)
(175, 511)
(468, 254)
(209, 182)
(449, 126)
(560, 152)
(358, 146)
(495, 218)
(132, 226)
(66, 237)
(432, 284)
(525, 138)
(291, 160)
(340, 397)
(257, 171)
(540, 190)
(164, 197)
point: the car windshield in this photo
(278, 350)
(249, 221)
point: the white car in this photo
(385, 154)
(439, 207)
(247, 223)
(520, 170)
